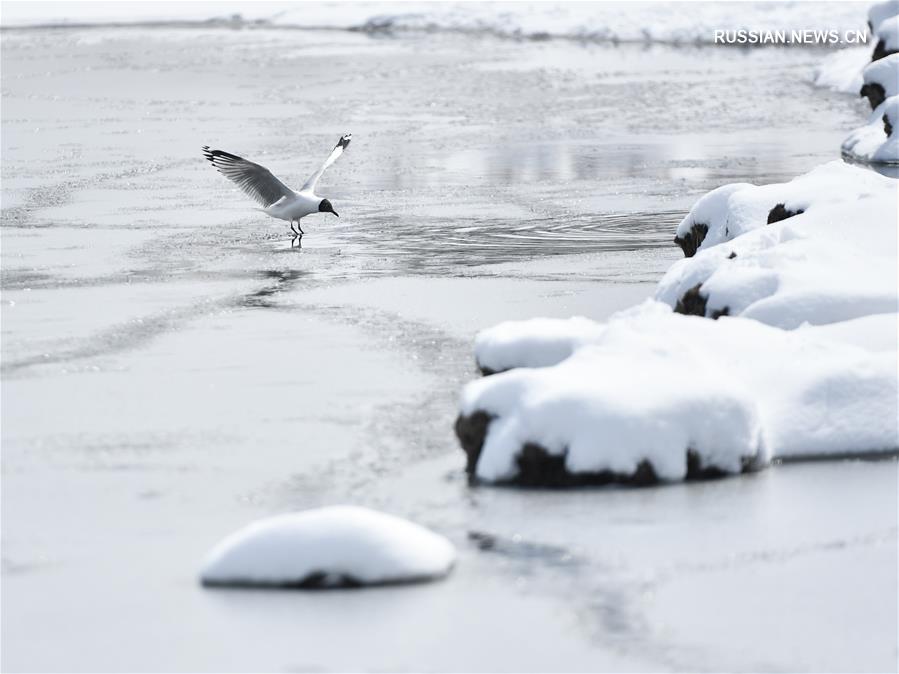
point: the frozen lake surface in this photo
(173, 369)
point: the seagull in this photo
(276, 198)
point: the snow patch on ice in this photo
(337, 546)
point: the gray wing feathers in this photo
(255, 180)
(342, 144)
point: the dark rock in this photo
(696, 471)
(317, 580)
(693, 239)
(693, 303)
(732, 255)
(471, 431)
(887, 126)
(874, 93)
(881, 51)
(539, 468)
(780, 212)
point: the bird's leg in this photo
(295, 232)
(300, 228)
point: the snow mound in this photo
(338, 546)
(877, 142)
(887, 35)
(731, 210)
(657, 396)
(880, 11)
(880, 80)
(533, 343)
(841, 71)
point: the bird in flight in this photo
(276, 198)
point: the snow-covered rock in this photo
(338, 546)
(660, 396)
(880, 80)
(532, 343)
(834, 262)
(887, 35)
(877, 142)
(731, 210)
(880, 11)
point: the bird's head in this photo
(326, 207)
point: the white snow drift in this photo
(336, 546)
(802, 363)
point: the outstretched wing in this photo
(255, 180)
(335, 153)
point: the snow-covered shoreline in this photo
(802, 278)
(802, 362)
(645, 22)
(874, 75)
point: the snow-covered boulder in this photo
(887, 35)
(877, 142)
(880, 80)
(532, 343)
(338, 546)
(880, 11)
(731, 210)
(833, 262)
(658, 396)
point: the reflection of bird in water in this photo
(277, 199)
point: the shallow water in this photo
(172, 368)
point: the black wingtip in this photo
(345, 140)
(212, 155)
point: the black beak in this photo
(335, 213)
